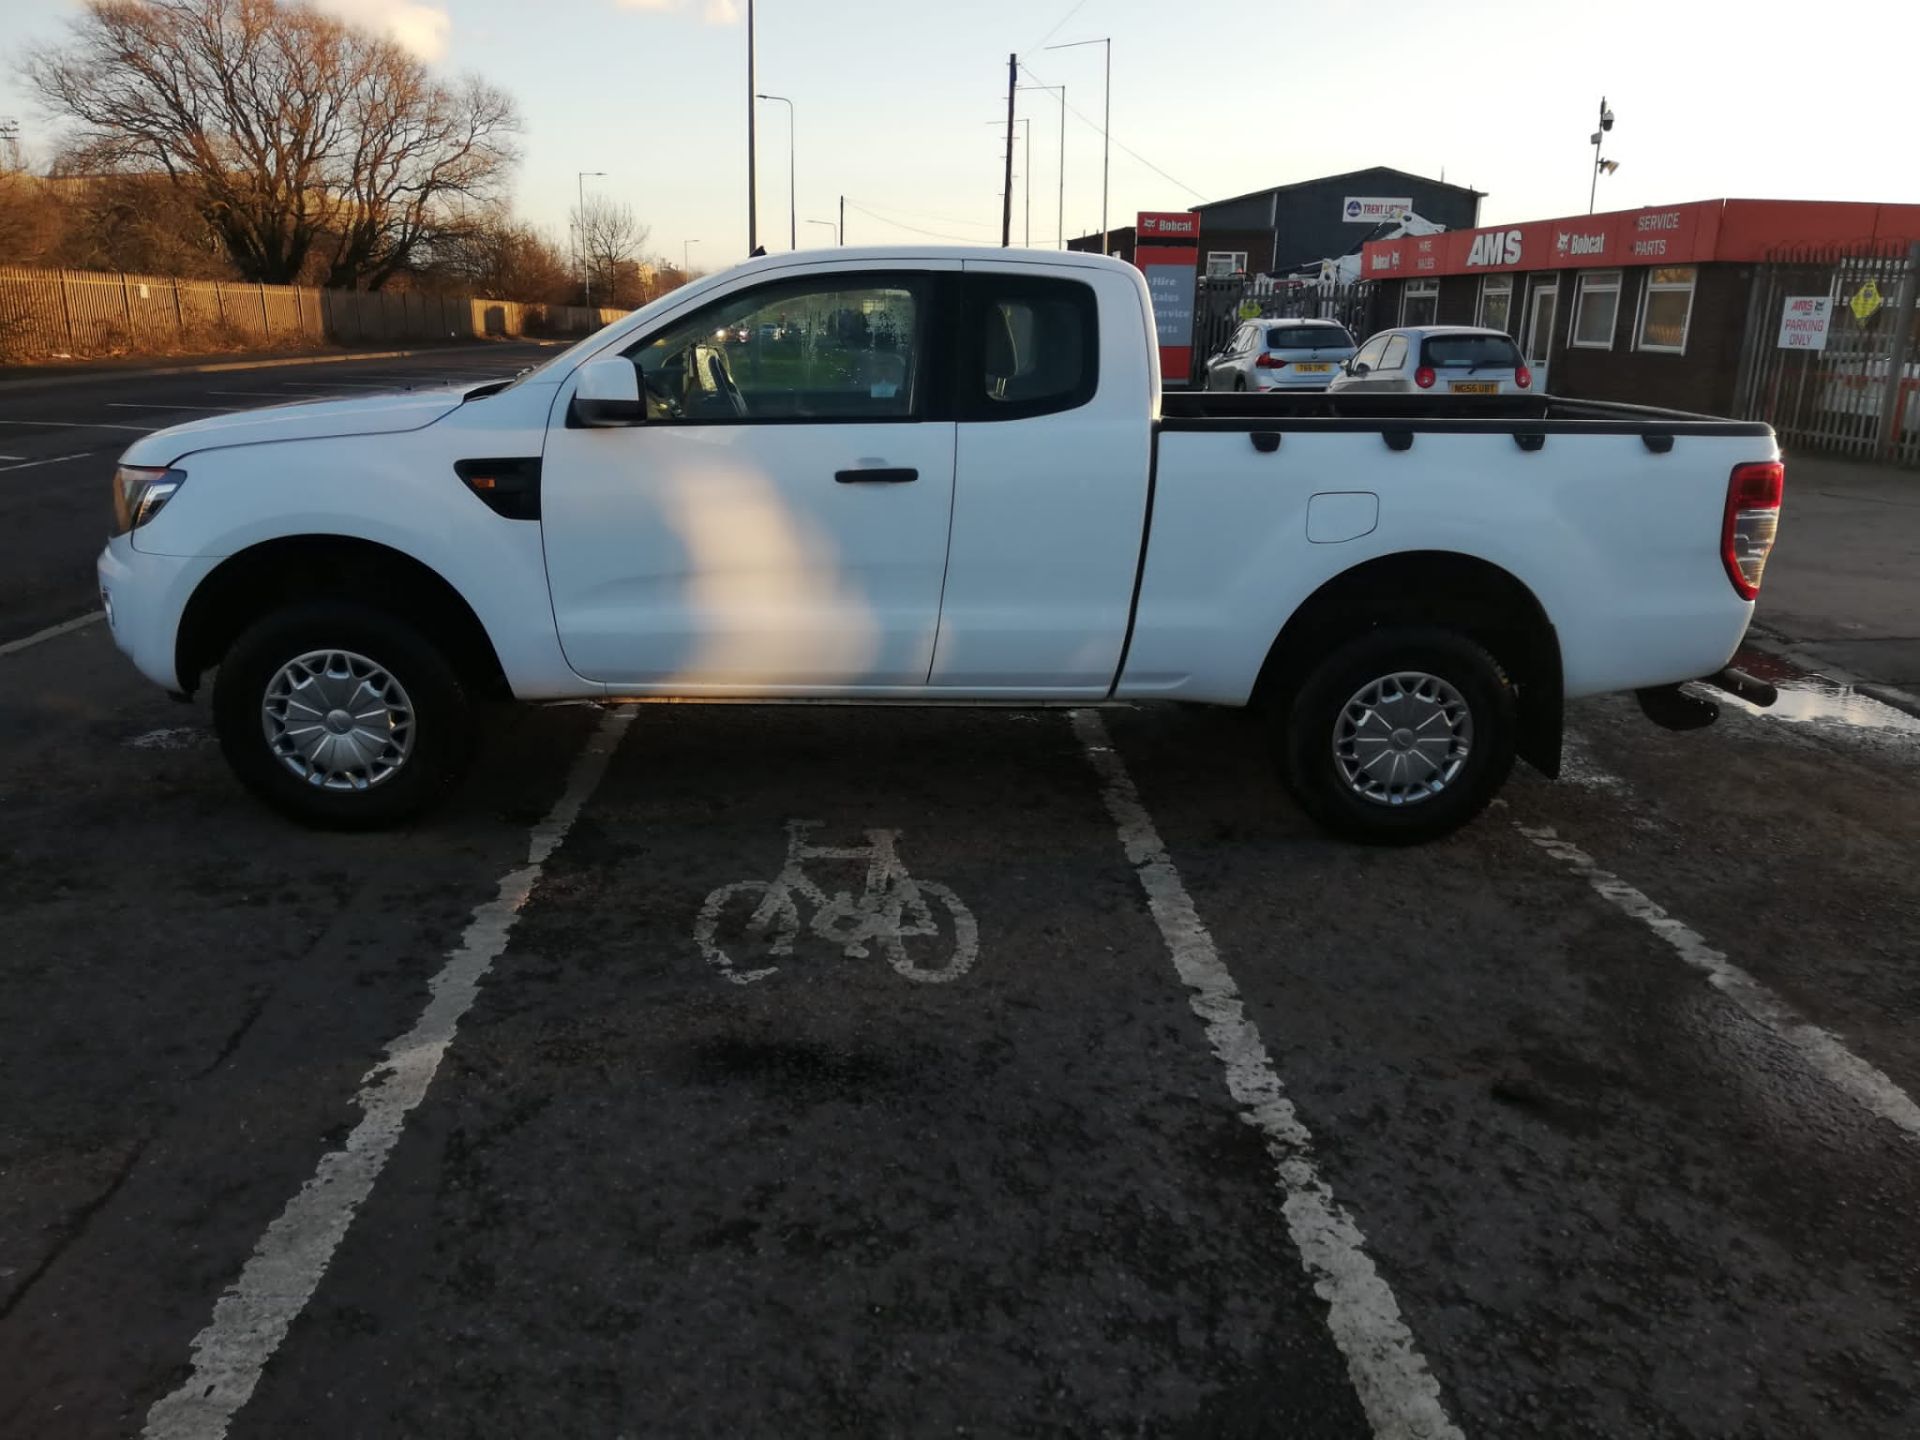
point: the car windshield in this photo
(1309, 337)
(1471, 352)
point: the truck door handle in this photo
(875, 477)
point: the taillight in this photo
(1423, 377)
(1267, 362)
(1522, 376)
(1752, 516)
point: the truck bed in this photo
(1521, 415)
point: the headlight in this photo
(140, 492)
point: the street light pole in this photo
(586, 260)
(1606, 124)
(1106, 135)
(793, 222)
(1060, 223)
(686, 268)
(753, 189)
(829, 225)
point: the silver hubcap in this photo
(337, 720)
(1402, 738)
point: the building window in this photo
(1666, 309)
(1496, 302)
(1223, 263)
(1422, 302)
(1596, 309)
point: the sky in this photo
(900, 105)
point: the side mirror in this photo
(1360, 369)
(608, 393)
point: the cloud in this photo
(421, 29)
(714, 12)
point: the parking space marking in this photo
(52, 632)
(198, 409)
(78, 425)
(49, 460)
(252, 1317)
(1396, 1389)
(1821, 1049)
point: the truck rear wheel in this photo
(1400, 736)
(341, 716)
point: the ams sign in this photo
(1495, 247)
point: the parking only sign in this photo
(1803, 325)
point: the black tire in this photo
(1306, 739)
(1239, 382)
(442, 728)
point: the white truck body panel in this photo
(721, 559)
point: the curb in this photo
(1807, 652)
(80, 377)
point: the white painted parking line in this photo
(1831, 1059)
(78, 425)
(252, 1317)
(49, 460)
(52, 632)
(1398, 1392)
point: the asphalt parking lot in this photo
(1085, 1089)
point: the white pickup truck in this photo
(937, 476)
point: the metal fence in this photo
(49, 314)
(1859, 395)
(1221, 303)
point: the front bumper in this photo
(144, 597)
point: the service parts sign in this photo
(1375, 209)
(1167, 251)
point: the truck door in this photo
(778, 523)
(1050, 491)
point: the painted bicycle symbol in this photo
(751, 920)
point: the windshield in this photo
(1471, 352)
(1309, 337)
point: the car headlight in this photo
(140, 492)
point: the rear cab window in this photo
(1470, 352)
(1033, 346)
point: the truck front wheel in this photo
(1400, 736)
(341, 716)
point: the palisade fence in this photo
(49, 314)
(1859, 395)
(1220, 303)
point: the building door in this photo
(1542, 305)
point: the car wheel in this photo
(1400, 736)
(1239, 382)
(341, 716)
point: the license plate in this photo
(1474, 387)
(1312, 369)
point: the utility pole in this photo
(753, 189)
(843, 220)
(1106, 136)
(1006, 190)
(1026, 173)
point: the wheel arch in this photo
(1434, 587)
(251, 582)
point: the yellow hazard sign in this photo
(1249, 309)
(1865, 301)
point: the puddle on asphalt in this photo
(1807, 696)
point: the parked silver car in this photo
(1280, 355)
(1438, 359)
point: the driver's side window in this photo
(842, 347)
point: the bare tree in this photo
(610, 240)
(306, 144)
(500, 258)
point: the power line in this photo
(902, 225)
(930, 215)
(1059, 25)
(1118, 144)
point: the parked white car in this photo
(1437, 359)
(939, 485)
(1280, 355)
